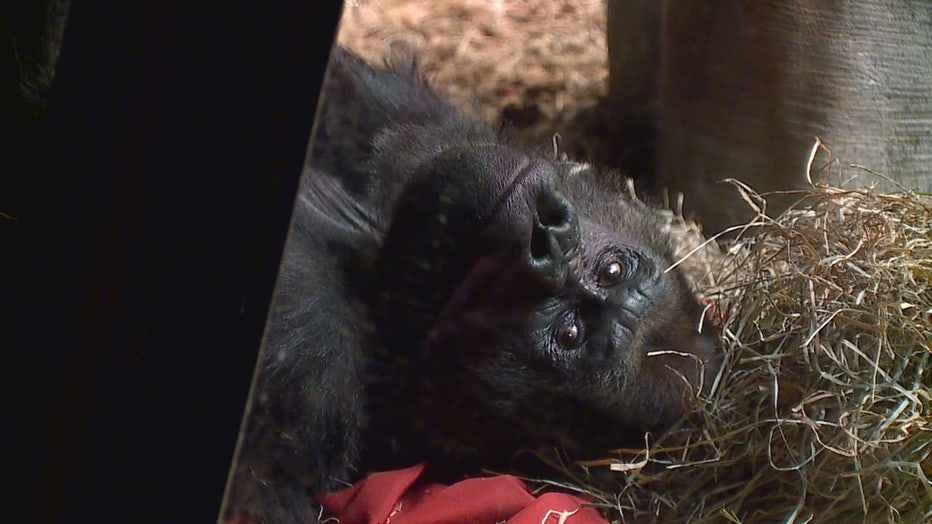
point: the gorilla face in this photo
(548, 316)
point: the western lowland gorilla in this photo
(448, 297)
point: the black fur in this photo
(428, 300)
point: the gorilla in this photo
(448, 297)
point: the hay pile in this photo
(823, 411)
(534, 65)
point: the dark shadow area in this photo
(605, 137)
(152, 200)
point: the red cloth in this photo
(388, 498)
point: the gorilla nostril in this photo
(554, 234)
(553, 210)
(540, 243)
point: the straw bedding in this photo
(823, 409)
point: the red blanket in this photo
(390, 497)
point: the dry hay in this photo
(823, 409)
(532, 64)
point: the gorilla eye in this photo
(611, 273)
(570, 333)
(616, 268)
(620, 264)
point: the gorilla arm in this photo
(306, 406)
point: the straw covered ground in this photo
(539, 66)
(823, 410)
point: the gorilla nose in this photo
(555, 235)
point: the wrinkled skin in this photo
(448, 297)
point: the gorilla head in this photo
(527, 304)
(448, 297)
